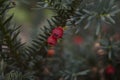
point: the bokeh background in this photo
(79, 55)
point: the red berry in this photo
(52, 41)
(51, 52)
(58, 32)
(78, 40)
(110, 70)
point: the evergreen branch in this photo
(10, 35)
(59, 20)
(39, 45)
(96, 12)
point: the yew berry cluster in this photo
(57, 33)
(110, 70)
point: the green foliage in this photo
(14, 75)
(27, 62)
(27, 56)
(112, 47)
(10, 33)
(96, 13)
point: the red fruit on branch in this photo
(110, 70)
(57, 32)
(52, 41)
(78, 40)
(51, 52)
